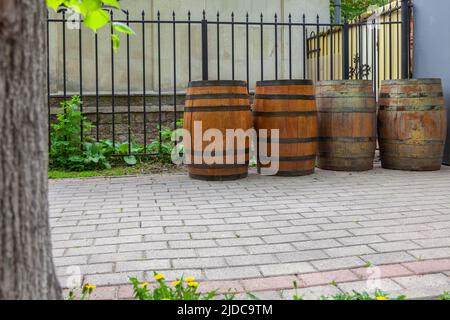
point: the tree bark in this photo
(26, 266)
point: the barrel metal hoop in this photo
(410, 142)
(218, 108)
(283, 83)
(288, 140)
(200, 153)
(285, 97)
(349, 110)
(348, 139)
(217, 83)
(289, 159)
(411, 95)
(284, 113)
(396, 156)
(411, 108)
(217, 96)
(218, 166)
(329, 155)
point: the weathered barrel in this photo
(217, 106)
(412, 124)
(290, 107)
(347, 125)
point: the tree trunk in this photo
(26, 266)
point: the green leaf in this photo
(92, 5)
(112, 3)
(96, 19)
(131, 160)
(54, 4)
(115, 41)
(122, 27)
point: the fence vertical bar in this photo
(262, 46)
(174, 72)
(247, 48)
(190, 46)
(144, 91)
(390, 42)
(113, 100)
(48, 83)
(80, 58)
(64, 54)
(304, 46)
(218, 45)
(290, 46)
(205, 72)
(345, 50)
(128, 87)
(331, 53)
(405, 39)
(97, 116)
(159, 83)
(232, 46)
(276, 46)
(318, 47)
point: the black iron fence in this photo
(132, 94)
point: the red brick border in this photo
(303, 281)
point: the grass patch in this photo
(140, 168)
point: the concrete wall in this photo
(181, 7)
(432, 49)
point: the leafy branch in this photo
(95, 15)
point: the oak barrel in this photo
(347, 125)
(290, 107)
(412, 124)
(219, 105)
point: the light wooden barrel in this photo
(347, 125)
(412, 124)
(219, 105)
(290, 107)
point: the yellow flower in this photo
(89, 286)
(190, 279)
(144, 285)
(176, 283)
(159, 276)
(165, 299)
(193, 284)
(382, 298)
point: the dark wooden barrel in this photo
(219, 105)
(347, 125)
(412, 124)
(290, 107)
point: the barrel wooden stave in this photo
(347, 125)
(412, 124)
(289, 106)
(218, 105)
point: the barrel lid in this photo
(412, 81)
(344, 82)
(292, 82)
(218, 83)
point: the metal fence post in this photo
(345, 51)
(204, 47)
(405, 39)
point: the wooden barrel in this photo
(217, 105)
(412, 124)
(347, 125)
(290, 107)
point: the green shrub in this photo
(70, 152)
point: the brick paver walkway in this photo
(260, 227)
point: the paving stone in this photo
(251, 260)
(112, 278)
(223, 252)
(348, 251)
(423, 281)
(268, 283)
(338, 263)
(387, 258)
(232, 273)
(348, 241)
(326, 278)
(386, 271)
(434, 253)
(286, 269)
(428, 266)
(184, 263)
(116, 256)
(299, 256)
(312, 293)
(385, 285)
